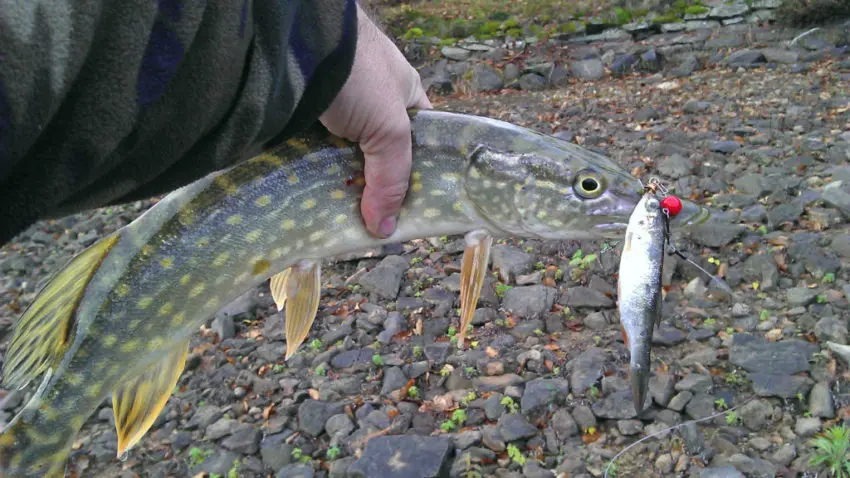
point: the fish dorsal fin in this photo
(138, 400)
(44, 331)
(277, 286)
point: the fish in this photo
(117, 319)
(639, 293)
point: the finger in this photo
(387, 167)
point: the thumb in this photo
(388, 159)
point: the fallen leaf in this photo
(314, 394)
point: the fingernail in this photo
(387, 226)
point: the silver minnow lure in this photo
(639, 288)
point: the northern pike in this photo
(639, 288)
(118, 317)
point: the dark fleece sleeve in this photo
(104, 102)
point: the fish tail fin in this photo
(47, 327)
(31, 450)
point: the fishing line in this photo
(674, 427)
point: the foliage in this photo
(831, 449)
(801, 13)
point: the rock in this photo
(700, 406)
(744, 58)
(623, 64)
(532, 82)
(784, 386)
(716, 235)
(486, 78)
(807, 426)
(720, 472)
(587, 369)
(780, 55)
(222, 325)
(784, 455)
(675, 166)
(761, 268)
(455, 53)
(830, 329)
(725, 147)
(339, 425)
(511, 261)
(694, 438)
(800, 296)
(394, 379)
(385, 278)
(591, 69)
(220, 428)
(564, 424)
(543, 393)
(820, 401)
(295, 471)
(404, 456)
(787, 357)
(755, 415)
(245, 441)
(729, 10)
(312, 415)
(694, 383)
(513, 427)
(661, 388)
(585, 297)
(529, 301)
(616, 406)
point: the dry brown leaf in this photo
(314, 394)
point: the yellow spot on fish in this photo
(292, 179)
(221, 259)
(317, 235)
(416, 176)
(130, 346)
(186, 217)
(226, 184)
(308, 204)
(337, 194)
(185, 279)
(134, 324)
(122, 290)
(253, 236)
(155, 343)
(263, 201)
(178, 318)
(340, 219)
(431, 213)
(474, 173)
(277, 253)
(197, 290)
(297, 144)
(234, 219)
(94, 390)
(438, 192)
(416, 186)
(260, 267)
(147, 249)
(556, 223)
(333, 169)
(418, 202)
(457, 206)
(144, 302)
(541, 214)
(288, 225)
(166, 308)
(241, 278)
(74, 379)
(167, 262)
(450, 177)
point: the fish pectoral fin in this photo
(303, 289)
(277, 285)
(473, 270)
(44, 331)
(138, 400)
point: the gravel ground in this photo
(542, 389)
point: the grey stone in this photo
(820, 401)
(543, 393)
(591, 69)
(720, 472)
(781, 55)
(617, 406)
(755, 415)
(511, 261)
(585, 297)
(745, 58)
(385, 278)
(807, 426)
(787, 357)
(486, 78)
(404, 456)
(729, 10)
(513, 427)
(529, 301)
(675, 166)
(784, 386)
(455, 53)
(587, 369)
(245, 440)
(313, 414)
(532, 82)
(564, 424)
(297, 470)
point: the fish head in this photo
(552, 192)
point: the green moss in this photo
(696, 10)
(510, 23)
(490, 27)
(413, 33)
(623, 16)
(499, 16)
(460, 28)
(667, 18)
(514, 32)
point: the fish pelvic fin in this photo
(303, 289)
(277, 286)
(138, 400)
(476, 256)
(45, 330)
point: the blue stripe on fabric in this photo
(159, 64)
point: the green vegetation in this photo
(831, 449)
(515, 455)
(509, 403)
(197, 456)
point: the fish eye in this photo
(588, 184)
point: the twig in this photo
(804, 34)
(669, 429)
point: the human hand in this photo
(372, 109)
